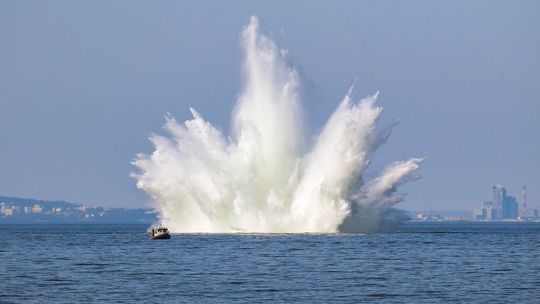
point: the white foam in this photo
(261, 179)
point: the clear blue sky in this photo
(82, 85)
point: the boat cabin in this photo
(160, 232)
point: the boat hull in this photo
(164, 236)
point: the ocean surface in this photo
(421, 262)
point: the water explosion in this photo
(261, 179)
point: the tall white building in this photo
(523, 212)
(499, 196)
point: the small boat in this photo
(160, 233)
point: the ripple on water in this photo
(417, 264)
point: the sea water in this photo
(420, 262)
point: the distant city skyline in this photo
(22, 210)
(504, 206)
(82, 85)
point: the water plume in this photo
(263, 178)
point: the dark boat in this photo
(160, 233)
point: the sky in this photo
(84, 83)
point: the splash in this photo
(263, 178)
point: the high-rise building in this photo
(503, 206)
(499, 196)
(510, 208)
(523, 210)
(485, 213)
(487, 210)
